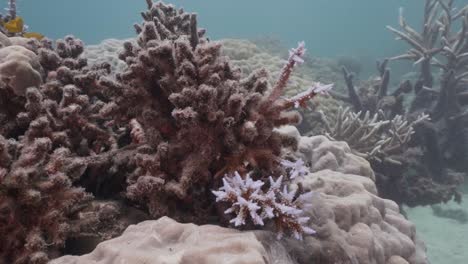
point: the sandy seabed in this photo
(446, 239)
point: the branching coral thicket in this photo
(164, 132)
(51, 135)
(373, 137)
(374, 96)
(195, 118)
(443, 44)
(440, 144)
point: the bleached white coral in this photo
(250, 202)
(241, 193)
(296, 169)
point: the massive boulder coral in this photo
(357, 225)
(353, 224)
(19, 69)
(166, 241)
(320, 153)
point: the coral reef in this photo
(250, 55)
(427, 167)
(106, 52)
(440, 44)
(355, 225)
(175, 130)
(370, 136)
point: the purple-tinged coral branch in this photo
(302, 98)
(248, 201)
(295, 56)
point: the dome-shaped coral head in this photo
(200, 120)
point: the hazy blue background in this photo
(329, 27)
(340, 27)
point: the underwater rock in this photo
(459, 215)
(166, 241)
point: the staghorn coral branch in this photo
(295, 57)
(302, 98)
(370, 136)
(352, 96)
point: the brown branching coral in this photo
(197, 118)
(36, 206)
(53, 138)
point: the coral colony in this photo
(176, 131)
(177, 126)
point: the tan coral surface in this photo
(19, 69)
(353, 224)
(166, 241)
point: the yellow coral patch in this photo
(35, 35)
(15, 25)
